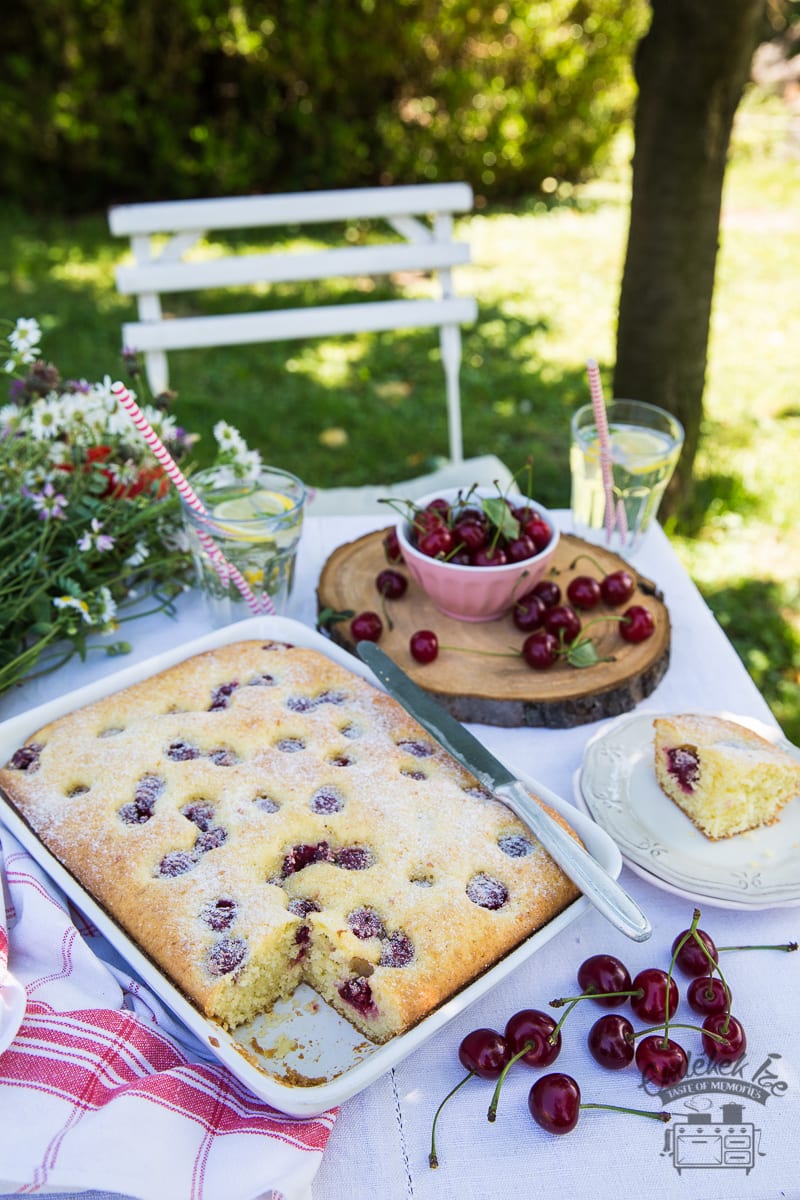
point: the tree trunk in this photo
(691, 68)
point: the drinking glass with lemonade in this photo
(646, 443)
(256, 523)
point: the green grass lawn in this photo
(547, 279)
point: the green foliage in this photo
(89, 525)
(110, 100)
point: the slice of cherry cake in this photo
(258, 816)
(725, 777)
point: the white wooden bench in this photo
(422, 215)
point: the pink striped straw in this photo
(225, 569)
(601, 421)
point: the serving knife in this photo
(599, 888)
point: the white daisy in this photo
(25, 335)
(47, 418)
(72, 602)
(228, 438)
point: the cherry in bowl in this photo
(485, 587)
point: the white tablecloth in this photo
(733, 1138)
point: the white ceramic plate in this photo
(303, 1035)
(617, 787)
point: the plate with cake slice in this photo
(283, 855)
(705, 805)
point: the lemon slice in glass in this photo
(640, 451)
(249, 508)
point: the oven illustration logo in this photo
(716, 1130)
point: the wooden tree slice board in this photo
(491, 688)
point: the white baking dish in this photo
(303, 1038)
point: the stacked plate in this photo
(616, 785)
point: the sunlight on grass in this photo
(546, 276)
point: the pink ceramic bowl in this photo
(475, 593)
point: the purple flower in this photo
(96, 538)
(48, 503)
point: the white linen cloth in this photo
(378, 1149)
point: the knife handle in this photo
(593, 880)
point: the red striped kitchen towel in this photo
(102, 1090)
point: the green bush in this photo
(118, 100)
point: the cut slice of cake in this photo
(725, 777)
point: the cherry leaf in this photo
(501, 516)
(583, 654)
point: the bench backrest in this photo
(422, 215)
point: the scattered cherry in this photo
(562, 621)
(391, 546)
(727, 1027)
(610, 1041)
(535, 1033)
(424, 646)
(540, 650)
(658, 992)
(554, 1102)
(604, 973)
(637, 624)
(661, 1060)
(484, 1052)
(691, 958)
(617, 588)
(391, 584)
(548, 592)
(366, 627)
(707, 994)
(584, 592)
(528, 612)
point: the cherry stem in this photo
(562, 1000)
(714, 966)
(553, 1038)
(593, 561)
(433, 1160)
(675, 1025)
(492, 1113)
(523, 577)
(636, 1112)
(690, 933)
(385, 611)
(788, 947)
(492, 653)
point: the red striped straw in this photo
(601, 421)
(225, 569)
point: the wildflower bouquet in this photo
(88, 521)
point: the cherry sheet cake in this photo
(258, 816)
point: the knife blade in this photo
(599, 888)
